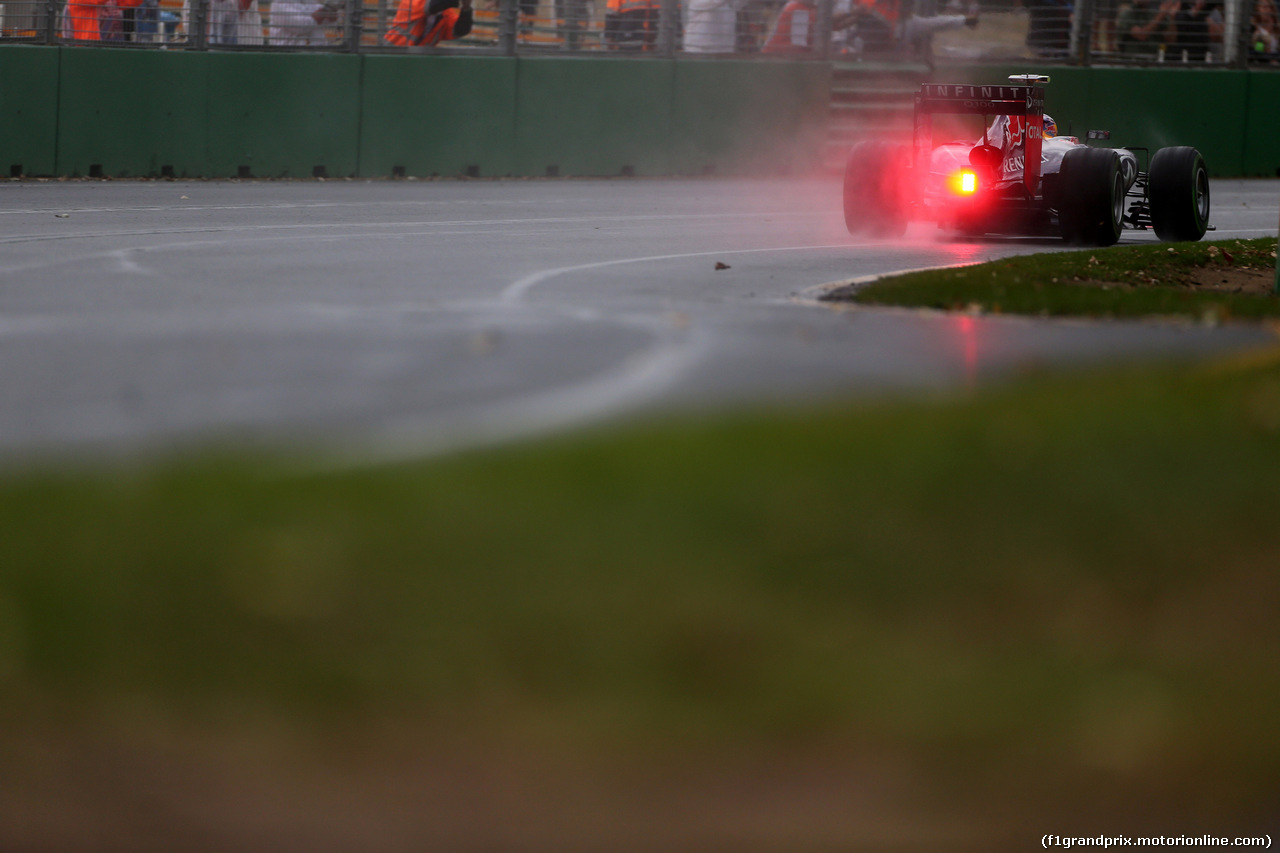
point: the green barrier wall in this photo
(1261, 134)
(1159, 108)
(277, 115)
(437, 115)
(130, 113)
(593, 117)
(141, 113)
(749, 117)
(28, 110)
(81, 111)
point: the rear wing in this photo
(1024, 130)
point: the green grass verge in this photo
(1128, 281)
(1076, 574)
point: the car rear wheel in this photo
(875, 184)
(1091, 204)
(1178, 187)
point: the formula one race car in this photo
(1021, 177)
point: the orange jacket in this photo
(618, 7)
(83, 17)
(420, 23)
(793, 31)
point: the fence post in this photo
(355, 24)
(51, 22)
(508, 23)
(1081, 49)
(1235, 43)
(822, 30)
(667, 28)
(570, 18)
(199, 35)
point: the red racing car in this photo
(1021, 177)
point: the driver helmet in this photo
(1050, 127)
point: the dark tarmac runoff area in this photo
(394, 319)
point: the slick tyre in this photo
(1178, 188)
(875, 184)
(1091, 207)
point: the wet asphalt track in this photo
(401, 318)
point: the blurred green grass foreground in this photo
(955, 624)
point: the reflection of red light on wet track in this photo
(968, 347)
(961, 252)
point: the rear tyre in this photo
(1091, 203)
(875, 184)
(1178, 187)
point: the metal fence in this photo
(1234, 33)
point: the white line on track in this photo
(517, 290)
(636, 378)
(623, 386)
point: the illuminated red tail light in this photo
(967, 183)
